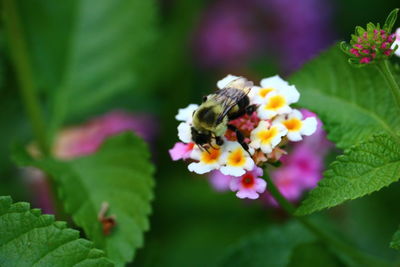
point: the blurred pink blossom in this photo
(232, 32)
(304, 164)
(226, 36)
(85, 139)
(220, 182)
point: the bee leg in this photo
(250, 109)
(219, 140)
(239, 137)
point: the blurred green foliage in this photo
(89, 58)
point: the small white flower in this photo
(275, 83)
(207, 161)
(397, 42)
(296, 126)
(186, 114)
(185, 132)
(235, 159)
(267, 136)
(277, 102)
(225, 81)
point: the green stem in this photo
(328, 239)
(19, 54)
(384, 68)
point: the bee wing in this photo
(228, 98)
(240, 83)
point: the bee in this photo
(211, 119)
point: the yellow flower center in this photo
(293, 124)
(266, 136)
(264, 91)
(236, 158)
(211, 156)
(275, 102)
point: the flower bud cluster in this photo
(373, 43)
(370, 44)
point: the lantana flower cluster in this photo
(266, 131)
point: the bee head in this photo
(200, 138)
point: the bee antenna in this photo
(200, 147)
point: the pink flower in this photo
(249, 185)
(85, 139)
(304, 159)
(287, 180)
(219, 181)
(318, 140)
(181, 151)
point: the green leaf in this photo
(272, 247)
(363, 169)
(28, 238)
(313, 254)
(353, 103)
(85, 54)
(391, 20)
(120, 173)
(396, 240)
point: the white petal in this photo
(185, 114)
(266, 148)
(196, 153)
(184, 132)
(230, 146)
(281, 132)
(253, 93)
(234, 171)
(397, 42)
(295, 114)
(265, 114)
(309, 126)
(200, 168)
(225, 81)
(284, 110)
(291, 94)
(249, 165)
(275, 82)
(294, 136)
(255, 143)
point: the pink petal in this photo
(234, 185)
(245, 193)
(260, 185)
(180, 151)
